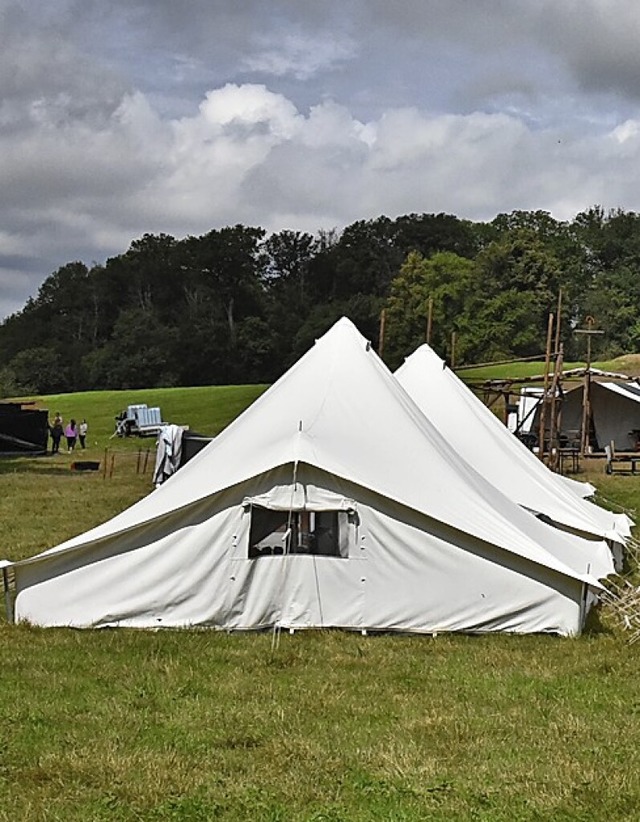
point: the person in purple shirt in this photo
(71, 433)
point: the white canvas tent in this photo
(330, 502)
(615, 413)
(477, 434)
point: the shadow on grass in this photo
(45, 465)
(594, 626)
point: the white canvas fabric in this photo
(168, 453)
(432, 545)
(580, 489)
(474, 431)
(615, 408)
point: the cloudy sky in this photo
(119, 117)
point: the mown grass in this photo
(330, 726)
(202, 725)
(628, 365)
(205, 409)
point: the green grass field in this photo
(629, 365)
(327, 726)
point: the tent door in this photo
(299, 589)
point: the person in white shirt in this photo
(82, 433)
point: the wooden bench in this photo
(620, 463)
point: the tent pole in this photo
(277, 626)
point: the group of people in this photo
(73, 432)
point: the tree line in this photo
(236, 305)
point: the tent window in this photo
(322, 533)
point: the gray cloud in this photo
(131, 116)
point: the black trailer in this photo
(23, 429)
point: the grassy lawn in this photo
(327, 726)
(629, 365)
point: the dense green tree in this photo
(449, 281)
(234, 305)
(141, 354)
(429, 234)
(518, 280)
(41, 368)
(610, 291)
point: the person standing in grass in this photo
(82, 433)
(56, 431)
(71, 433)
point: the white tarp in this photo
(168, 453)
(476, 433)
(432, 545)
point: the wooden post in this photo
(138, 460)
(112, 466)
(506, 400)
(8, 604)
(453, 350)
(104, 469)
(554, 426)
(558, 322)
(429, 320)
(383, 317)
(586, 413)
(586, 391)
(543, 409)
(146, 460)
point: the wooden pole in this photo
(586, 416)
(146, 460)
(453, 349)
(8, 604)
(554, 439)
(138, 462)
(506, 398)
(558, 322)
(500, 362)
(543, 409)
(104, 469)
(383, 317)
(429, 320)
(586, 391)
(112, 466)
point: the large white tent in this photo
(475, 432)
(330, 502)
(614, 411)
